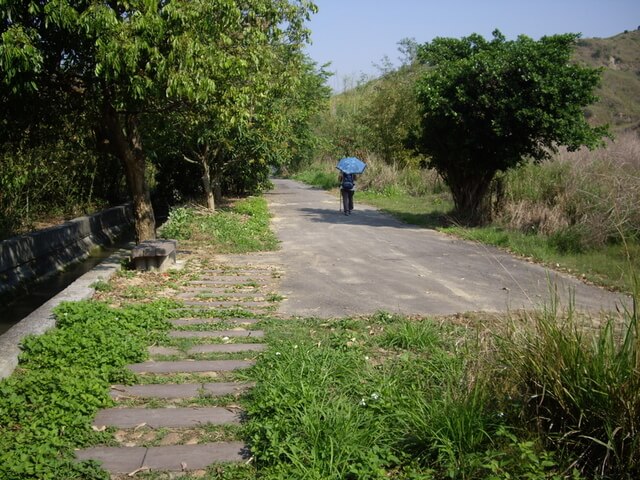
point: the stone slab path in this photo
(137, 424)
(180, 390)
(174, 458)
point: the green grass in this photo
(47, 405)
(240, 229)
(390, 397)
(429, 211)
(611, 266)
(318, 177)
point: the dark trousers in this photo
(347, 199)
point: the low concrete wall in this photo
(45, 252)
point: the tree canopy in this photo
(487, 106)
(125, 66)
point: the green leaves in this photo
(20, 59)
(488, 105)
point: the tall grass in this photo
(578, 387)
(379, 177)
(582, 199)
(381, 397)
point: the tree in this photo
(487, 106)
(127, 60)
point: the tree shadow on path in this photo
(375, 218)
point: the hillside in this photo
(619, 103)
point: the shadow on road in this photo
(371, 218)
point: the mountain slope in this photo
(619, 103)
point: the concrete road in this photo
(337, 265)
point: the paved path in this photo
(339, 265)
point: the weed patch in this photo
(239, 229)
(48, 404)
(380, 397)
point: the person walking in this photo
(347, 189)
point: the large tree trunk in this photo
(125, 143)
(470, 196)
(206, 183)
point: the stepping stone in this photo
(190, 366)
(115, 459)
(226, 303)
(221, 294)
(164, 351)
(228, 348)
(217, 389)
(216, 334)
(248, 281)
(175, 458)
(197, 321)
(183, 390)
(164, 417)
(179, 390)
(168, 351)
(239, 272)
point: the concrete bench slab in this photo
(190, 366)
(175, 458)
(154, 255)
(217, 334)
(164, 417)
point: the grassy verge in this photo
(611, 266)
(393, 397)
(243, 227)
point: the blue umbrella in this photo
(351, 165)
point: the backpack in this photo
(347, 181)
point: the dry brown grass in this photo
(594, 192)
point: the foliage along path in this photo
(184, 403)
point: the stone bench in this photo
(154, 255)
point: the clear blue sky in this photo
(355, 34)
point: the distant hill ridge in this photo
(619, 103)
